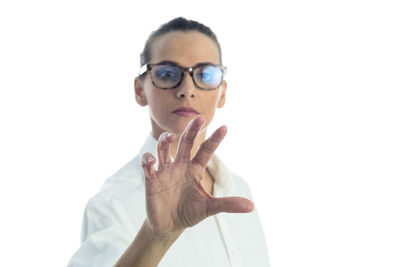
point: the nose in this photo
(187, 89)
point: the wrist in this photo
(165, 238)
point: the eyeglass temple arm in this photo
(143, 69)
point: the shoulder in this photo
(121, 192)
(129, 178)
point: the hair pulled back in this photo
(177, 24)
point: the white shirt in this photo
(116, 213)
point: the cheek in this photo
(154, 100)
(154, 95)
(159, 102)
(210, 105)
(214, 99)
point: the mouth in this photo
(185, 111)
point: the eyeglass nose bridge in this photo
(190, 71)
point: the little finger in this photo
(148, 165)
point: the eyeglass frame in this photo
(148, 67)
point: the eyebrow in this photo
(177, 64)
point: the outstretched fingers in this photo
(229, 204)
(208, 147)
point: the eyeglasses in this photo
(169, 75)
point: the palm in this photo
(175, 197)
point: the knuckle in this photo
(214, 139)
(206, 148)
(188, 141)
(189, 138)
(181, 160)
(164, 149)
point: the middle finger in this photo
(187, 139)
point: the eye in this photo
(209, 74)
(205, 77)
(167, 73)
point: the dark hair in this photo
(177, 24)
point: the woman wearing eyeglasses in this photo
(175, 203)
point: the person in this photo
(175, 203)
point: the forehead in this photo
(184, 48)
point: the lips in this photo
(185, 111)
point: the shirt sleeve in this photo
(104, 235)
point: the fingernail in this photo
(149, 159)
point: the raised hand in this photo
(175, 196)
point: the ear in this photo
(139, 92)
(221, 101)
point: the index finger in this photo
(208, 147)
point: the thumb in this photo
(230, 204)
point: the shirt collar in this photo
(222, 176)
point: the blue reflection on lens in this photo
(210, 75)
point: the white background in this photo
(312, 113)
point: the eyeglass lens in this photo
(168, 76)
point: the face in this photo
(186, 49)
